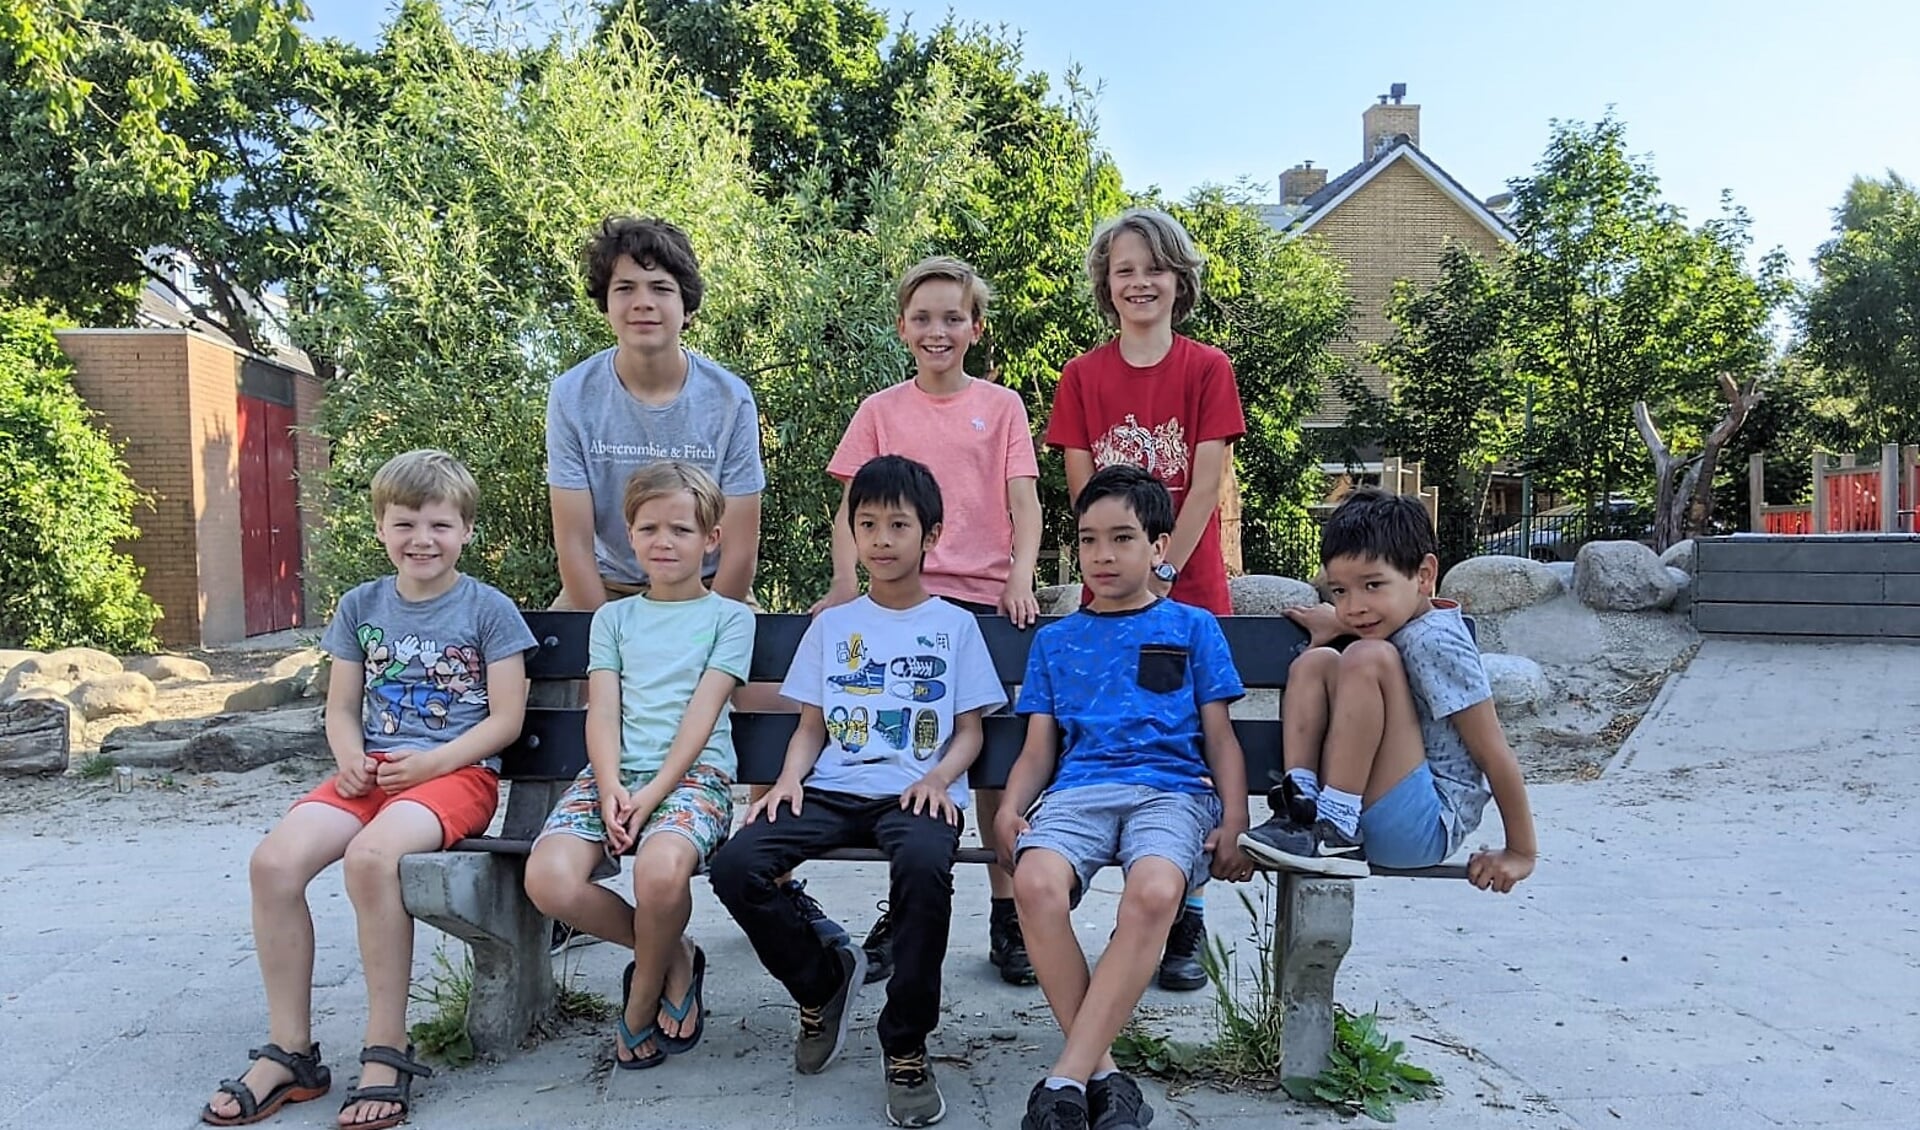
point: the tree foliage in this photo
(69, 505)
(1862, 318)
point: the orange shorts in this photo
(463, 801)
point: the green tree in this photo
(1861, 320)
(69, 506)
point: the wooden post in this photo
(1889, 488)
(1757, 493)
(1819, 492)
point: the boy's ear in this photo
(713, 539)
(1160, 545)
(932, 538)
(1427, 576)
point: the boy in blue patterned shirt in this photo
(1128, 699)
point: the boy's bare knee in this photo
(548, 884)
(660, 882)
(1314, 662)
(1376, 659)
(1153, 895)
(275, 869)
(370, 861)
(1038, 889)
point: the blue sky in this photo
(1782, 108)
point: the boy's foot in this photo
(1115, 1103)
(823, 1030)
(879, 947)
(1006, 946)
(566, 937)
(275, 1078)
(830, 932)
(1180, 968)
(1321, 849)
(1050, 1108)
(1292, 804)
(913, 1098)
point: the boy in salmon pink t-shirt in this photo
(974, 436)
(1168, 404)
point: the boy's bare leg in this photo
(987, 805)
(560, 883)
(662, 961)
(1043, 884)
(310, 837)
(386, 933)
(1306, 707)
(1148, 904)
(1373, 737)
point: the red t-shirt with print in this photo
(1155, 417)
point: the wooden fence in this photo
(1847, 498)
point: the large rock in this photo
(74, 664)
(1621, 576)
(1680, 555)
(35, 738)
(124, 693)
(1495, 583)
(267, 694)
(1520, 686)
(156, 745)
(237, 744)
(1260, 595)
(1058, 600)
(11, 657)
(27, 677)
(1682, 601)
(169, 668)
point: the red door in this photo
(269, 517)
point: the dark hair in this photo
(1371, 523)
(896, 479)
(651, 243)
(1145, 495)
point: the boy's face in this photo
(1374, 599)
(424, 545)
(891, 542)
(644, 307)
(1143, 291)
(1116, 555)
(668, 540)
(938, 327)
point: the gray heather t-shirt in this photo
(598, 434)
(1444, 670)
(426, 661)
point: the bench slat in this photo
(563, 644)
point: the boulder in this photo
(248, 741)
(35, 738)
(267, 694)
(1260, 595)
(169, 668)
(1621, 576)
(155, 745)
(124, 693)
(28, 677)
(1564, 571)
(1058, 600)
(1495, 583)
(74, 664)
(1680, 555)
(11, 657)
(1682, 601)
(1520, 686)
(306, 666)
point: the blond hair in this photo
(945, 268)
(414, 478)
(657, 480)
(1168, 243)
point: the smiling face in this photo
(644, 307)
(1116, 555)
(938, 326)
(424, 544)
(1374, 599)
(669, 541)
(1143, 291)
(890, 540)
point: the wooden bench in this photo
(474, 891)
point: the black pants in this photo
(920, 851)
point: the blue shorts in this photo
(1095, 826)
(1407, 827)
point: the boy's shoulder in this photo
(1442, 625)
(570, 382)
(704, 368)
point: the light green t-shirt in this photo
(660, 649)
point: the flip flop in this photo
(632, 1040)
(695, 998)
(311, 1079)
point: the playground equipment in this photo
(1847, 498)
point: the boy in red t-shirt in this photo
(1167, 403)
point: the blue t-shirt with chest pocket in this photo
(1126, 689)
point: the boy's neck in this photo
(947, 385)
(1146, 346)
(1130, 603)
(690, 589)
(416, 593)
(900, 595)
(652, 377)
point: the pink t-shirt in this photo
(974, 442)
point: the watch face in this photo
(1165, 572)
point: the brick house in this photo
(208, 433)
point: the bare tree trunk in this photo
(1683, 488)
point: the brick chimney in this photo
(1387, 119)
(1300, 182)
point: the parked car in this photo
(1559, 533)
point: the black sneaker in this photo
(1006, 946)
(566, 937)
(1115, 1103)
(1319, 849)
(823, 1030)
(879, 947)
(1291, 803)
(1180, 968)
(1050, 1109)
(913, 1098)
(830, 932)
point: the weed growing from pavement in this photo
(1366, 1072)
(95, 768)
(443, 1034)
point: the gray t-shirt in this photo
(598, 434)
(1444, 670)
(426, 661)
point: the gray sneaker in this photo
(1115, 1103)
(913, 1098)
(823, 1030)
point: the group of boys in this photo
(1130, 757)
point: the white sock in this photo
(1342, 810)
(1099, 1075)
(1307, 779)
(1062, 1083)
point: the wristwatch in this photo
(1166, 572)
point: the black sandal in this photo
(311, 1079)
(399, 1092)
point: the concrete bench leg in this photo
(1314, 931)
(478, 898)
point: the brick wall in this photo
(212, 380)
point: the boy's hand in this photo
(401, 770)
(640, 808)
(842, 592)
(1498, 870)
(1007, 830)
(1019, 605)
(930, 796)
(769, 804)
(354, 777)
(1320, 621)
(1229, 862)
(615, 805)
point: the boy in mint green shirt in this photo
(659, 779)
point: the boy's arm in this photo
(803, 752)
(1023, 504)
(1228, 766)
(1486, 741)
(930, 793)
(739, 547)
(346, 731)
(573, 546)
(1196, 509)
(846, 559)
(506, 715)
(1079, 470)
(603, 728)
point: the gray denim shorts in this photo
(1097, 826)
